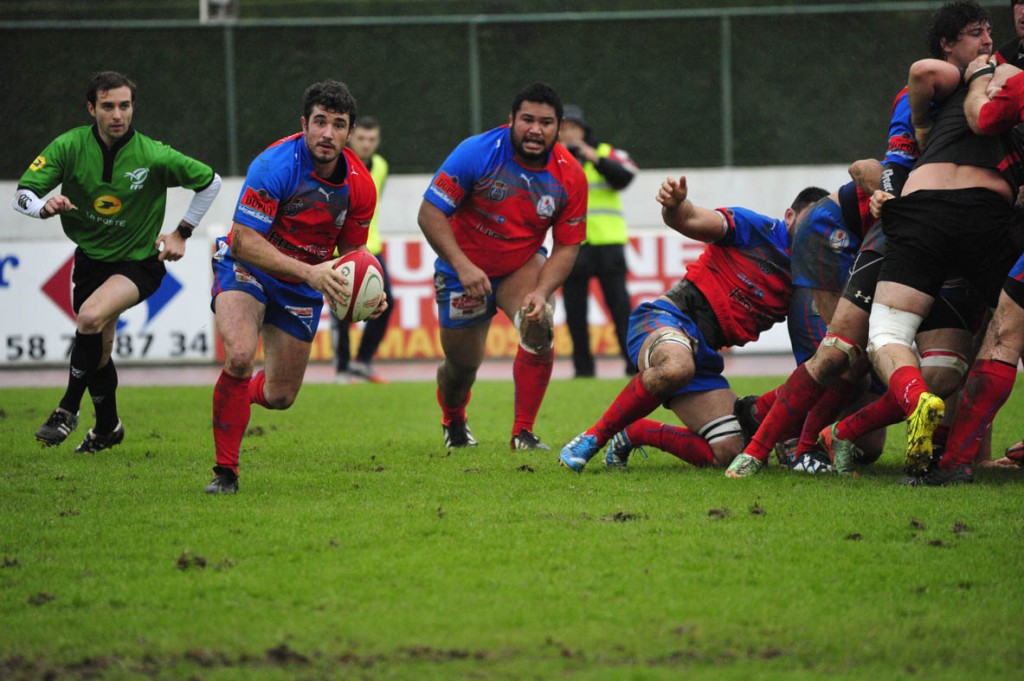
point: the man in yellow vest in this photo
(364, 140)
(603, 254)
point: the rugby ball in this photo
(365, 286)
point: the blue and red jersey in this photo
(303, 215)
(745, 275)
(499, 210)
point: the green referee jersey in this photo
(121, 193)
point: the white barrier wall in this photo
(176, 325)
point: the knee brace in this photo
(721, 428)
(945, 359)
(852, 351)
(889, 326)
(668, 335)
(536, 337)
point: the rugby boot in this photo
(920, 427)
(57, 427)
(96, 442)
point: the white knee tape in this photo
(889, 326)
(545, 329)
(721, 428)
(850, 349)
(668, 336)
(945, 359)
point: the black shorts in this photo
(934, 235)
(90, 274)
(860, 287)
(691, 302)
(958, 305)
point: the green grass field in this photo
(358, 549)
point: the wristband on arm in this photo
(986, 70)
(27, 203)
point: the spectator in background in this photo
(113, 190)
(603, 254)
(1012, 51)
(364, 140)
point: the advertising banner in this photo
(174, 325)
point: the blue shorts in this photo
(456, 310)
(823, 248)
(660, 314)
(292, 307)
(806, 327)
(1014, 286)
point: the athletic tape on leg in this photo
(844, 345)
(527, 331)
(890, 326)
(669, 336)
(721, 428)
(944, 358)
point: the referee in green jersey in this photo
(113, 191)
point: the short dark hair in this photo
(332, 95)
(949, 20)
(539, 92)
(105, 81)
(808, 197)
(371, 123)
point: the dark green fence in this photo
(798, 84)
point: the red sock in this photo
(633, 403)
(907, 385)
(883, 412)
(231, 410)
(449, 414)
(795, 398)
(827, 409)
(256, 395)
(764, 403)
(988, 386)
(531, 373)
(940, 435)
(681, 443)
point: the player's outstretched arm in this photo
(679, 213)
(434, 225)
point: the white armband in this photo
(27, 203)
(202, 201)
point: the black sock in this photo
(103, 389)
(85, 357)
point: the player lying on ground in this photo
(739, 287)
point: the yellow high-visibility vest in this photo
(379, 173)
(605, 222)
